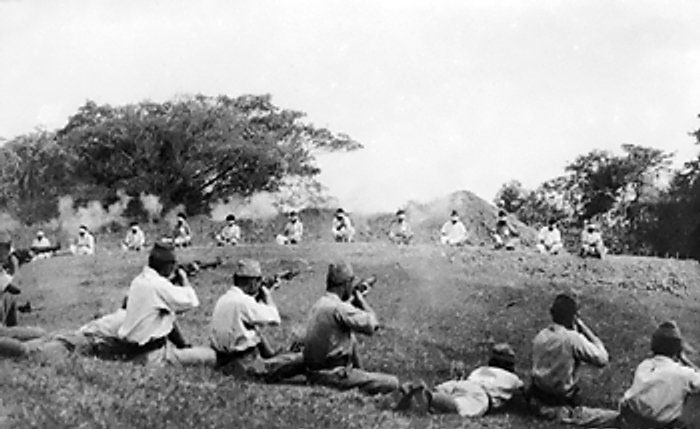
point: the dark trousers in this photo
(8, 311)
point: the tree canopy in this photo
(192, 150)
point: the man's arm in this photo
(179, 298)
(265, 312)
(588, 347)
(358, 316)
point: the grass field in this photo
(435, 305)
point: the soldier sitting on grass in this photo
(241, 349)
(557, 353)
(665, 391)
(96, 338)
(330, 353)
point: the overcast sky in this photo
(445, 95)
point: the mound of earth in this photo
(478, 216)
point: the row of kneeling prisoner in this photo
(453, 233)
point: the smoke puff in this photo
(93, 215)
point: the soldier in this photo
(96, 338)
(230, 234)
(662, 385)
(557, 352)
(342, 229)
(400, 231)
(152, 305)
(487, 388)
(330, 354)
(241, 349)
(453, 232)
(293, 230)
(9, 265)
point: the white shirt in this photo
(591, 238)
(557, 352)
(400, 228)
(41, 243)
(105, 326)
(236, 315)
(549, 238)
(151, 307)
(294, 230)
(342, 226)
(660, 388)
(86, 244)
(231, 233)
(135, 239)
(454, 232)
(498, 385)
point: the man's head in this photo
(162, 259)
(134, 227)
(552, 224)
(502, 214)
(40, 234)
(339, 279)
(339, 213)
(293, 216)
(82, 230)
(454, 216)
(502, 356)
(401, 215)
(564, 310)
(667, 340)
(231, 219)
(248, 276)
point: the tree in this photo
(192, 150)
(511, 196)
(32, 174)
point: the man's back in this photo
(329, 333)
(556, 355)
(151, 307)
(660, 388)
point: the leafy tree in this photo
(32, 174)
(511, 196)
(192, 150)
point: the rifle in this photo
(275, 281)
(193, 268)
(48, 249)
(365, 285)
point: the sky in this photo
(444, 95)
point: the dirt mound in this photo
(478, 216)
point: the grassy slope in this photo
(435, 306)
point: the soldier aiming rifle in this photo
(193, 268)
(275, 281)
